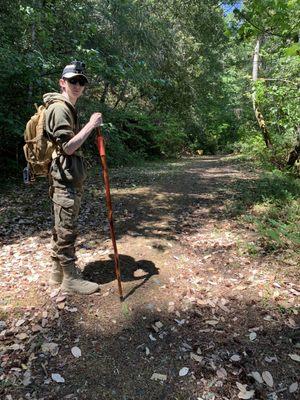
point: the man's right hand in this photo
(96, 120)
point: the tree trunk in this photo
(30, 86)
(295, 153)
(258, 114)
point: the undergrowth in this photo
(271, 205)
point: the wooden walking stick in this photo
(101, 148)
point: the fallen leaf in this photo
(158, 324)
(295, 357)
(271, 359)
(44, 322)
(252, 336)
(50, 347)
(241, 387)
(224, 308)
(212, 322)
(293, 387)
(256, 375)
(152, 337)
(60, 299)
(158, 377)
(2, 325)
(235, 358)
(291, 323)
(184, 371)
(246, 394)
(56, 315)
(221, 373)
(26, 378)
(33, 277)
(180, 321)
(20, 322)
(71, 309)
(57, 378)
(294, 292)
(36, 328)
(22, 336)
(16, 347)
(76, 352)
(54, 293)
(267, 377)
(196, 357)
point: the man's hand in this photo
(96, 120)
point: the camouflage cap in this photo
(75, 68)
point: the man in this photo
(67, 175)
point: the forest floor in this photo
(207, 313)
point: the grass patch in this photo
(271, 205)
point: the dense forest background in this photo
(170, 76)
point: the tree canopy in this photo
(169, 76)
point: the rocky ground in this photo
(206, 316)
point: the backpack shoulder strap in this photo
(57, 150)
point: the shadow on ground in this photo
(148, 201)
(103, 271)
(120, 357)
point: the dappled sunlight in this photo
(205, 307)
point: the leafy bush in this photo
(271, 204)
(251, 144)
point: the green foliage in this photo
(277, 89)
(148, 61)
(170, 76)
(271, 205)
(251, 144)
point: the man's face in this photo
(73, 87)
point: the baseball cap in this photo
(75, 68)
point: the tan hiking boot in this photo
(56, 276)
(73, 283)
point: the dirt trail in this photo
(200, 310)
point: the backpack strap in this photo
(57, 151)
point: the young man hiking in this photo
(67, 175)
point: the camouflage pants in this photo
(66, 206)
